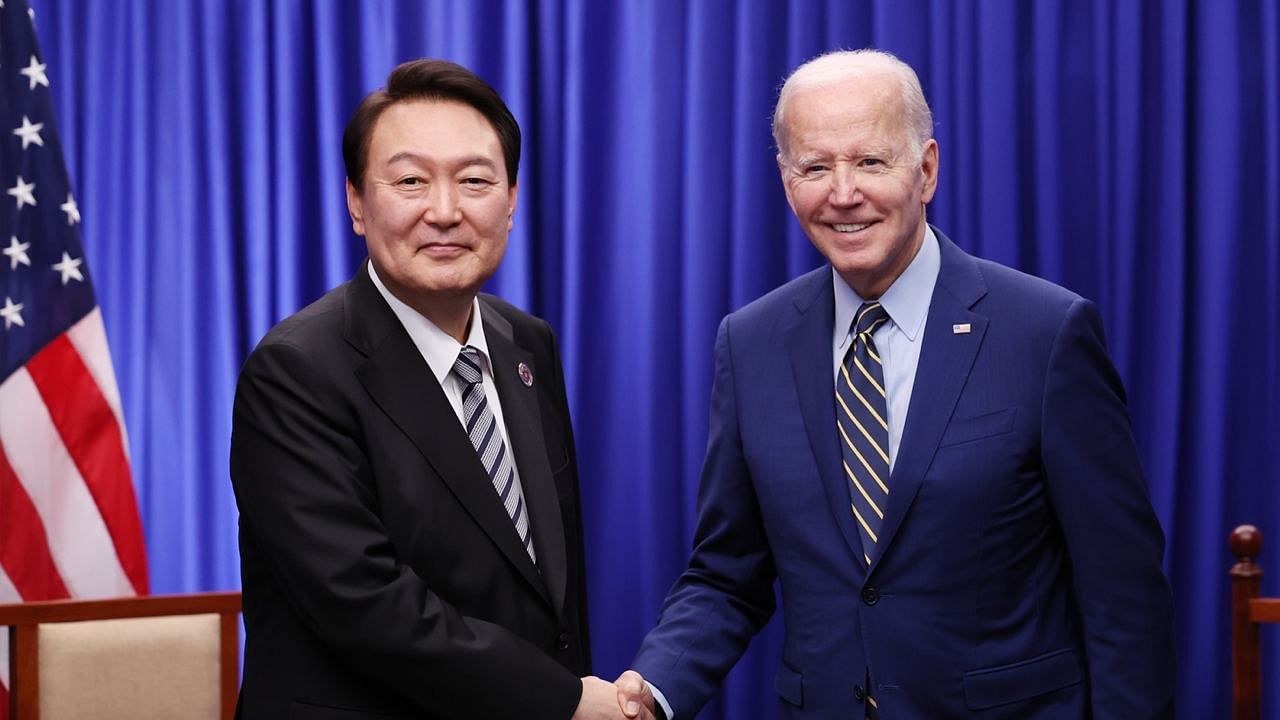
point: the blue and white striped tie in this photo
(863, 427)
(482, 427)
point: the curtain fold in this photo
(1128, 150)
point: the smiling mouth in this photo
(850, 227)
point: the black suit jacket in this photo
(381, 574)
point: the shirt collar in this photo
(906, 300)
(438, 347)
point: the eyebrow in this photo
(870, 151)
(462, 162)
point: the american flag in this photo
(69, 524)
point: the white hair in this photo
(842, 64)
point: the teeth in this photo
(840, 227)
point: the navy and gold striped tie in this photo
(864, 428)
(482, 427)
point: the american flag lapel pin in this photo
(960, 329)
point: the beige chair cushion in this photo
(160, 668)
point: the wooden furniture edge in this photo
(1264, 610)
(53, 611)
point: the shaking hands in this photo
(626, 698)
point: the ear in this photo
(355, 207)
(511, 205)
(784, 172)
(929, 168)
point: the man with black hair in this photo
(402, 456)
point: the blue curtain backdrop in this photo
(1128, 150)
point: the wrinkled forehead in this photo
(864, 111)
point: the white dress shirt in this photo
(440, 350)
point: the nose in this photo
(844, 186)
(442, 208)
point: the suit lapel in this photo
(402, 385)
(945, 361)
(523, 420)
(809, 344)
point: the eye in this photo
(815, 169)
(410, 181)
(476, 181)
(870, 162)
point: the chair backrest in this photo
(1248, 610)
(159, 656)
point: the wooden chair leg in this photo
(1246, 656)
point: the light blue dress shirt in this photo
(897, 341)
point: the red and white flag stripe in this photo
(68, 513)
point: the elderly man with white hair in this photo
(930, 452)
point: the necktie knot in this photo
(467, 366)
(869, 317)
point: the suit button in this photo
(859, 694)
(870, 595)
(562, 642)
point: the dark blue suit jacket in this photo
(1018, 573)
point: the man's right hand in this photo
(634, 696)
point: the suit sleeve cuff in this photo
(662, 701)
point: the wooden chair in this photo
(1248, 610)
(160, 656)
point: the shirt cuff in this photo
(661, 699)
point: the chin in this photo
(453, 289)
(857, 263)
